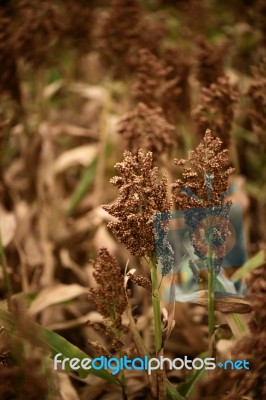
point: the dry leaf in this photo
(170, 311)
(64, 128)
(232, 304)
(83, 155)
(55, 294)
(51, 89)
(88, 91)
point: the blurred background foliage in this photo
(80, 82)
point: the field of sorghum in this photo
(115, 116)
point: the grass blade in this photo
(57, 344)
(253, 263)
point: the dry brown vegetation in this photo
(108, 108)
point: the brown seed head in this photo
(78, 24)
(177, 59)
(109, 298)
(205, 175)
(210, 62)
(120, 36)
(36, 28)
(150, 79)
(216, 110)
(157, 84)
(148, 129)
(141, 195)
(142, 281)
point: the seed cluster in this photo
(205, 175)
(176, 58)
(141, 281)
(216, 109)
(201, 194)
(109, 297)
(142, 194)
(210, 62)
(124, 16)
(148, 129)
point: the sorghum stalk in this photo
(156, 306)
(203, 188)
(142, 195)
(122, 381)
(211, 299)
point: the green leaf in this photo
(186, 388)
(82, 187)
(57, 344)
(172, 393)
(236, 322)
(252, 263)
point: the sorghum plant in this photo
(216, 110)
(209, 61)
(150, 82)
(180, 64)
(201, 194)
(147, 128)
(36, 30)
(156, 84)
(142, 194)
(251, 347)
(124, 16)
(109, 299)
(78, 26)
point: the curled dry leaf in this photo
(232, 304)
(55, 294)
(83, 155)
(170, 311)
(51, 89)
(88, 91)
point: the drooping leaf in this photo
(253, 263)
(56, 344)
(54, 295)
(186, 388)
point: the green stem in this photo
(211, 301)
(156, 306)
(122, 381)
